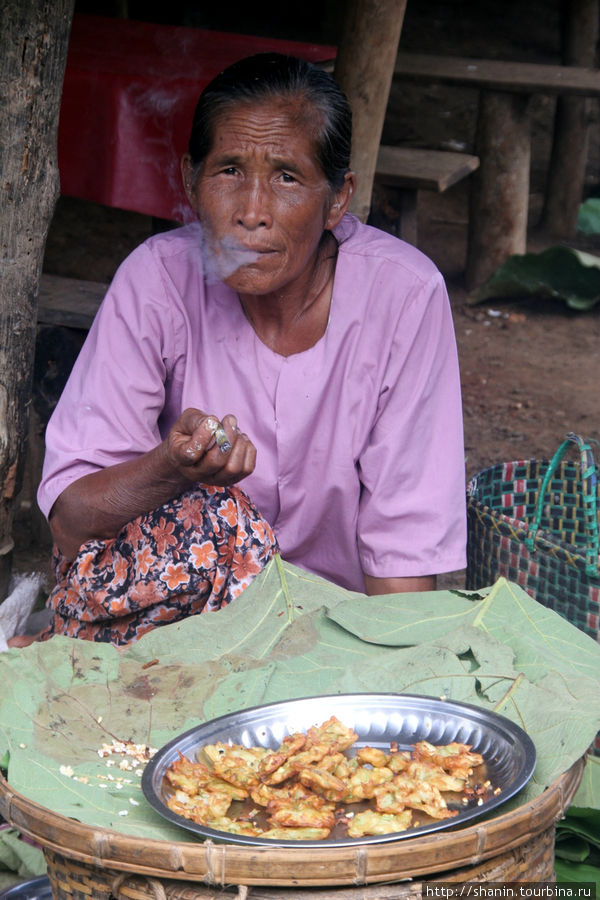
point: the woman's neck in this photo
(292, 320)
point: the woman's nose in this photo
(254, 206)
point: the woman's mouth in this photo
(223, 257)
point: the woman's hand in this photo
(200, 448)
(98, 505)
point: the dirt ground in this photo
(530, 368)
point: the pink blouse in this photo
(360, 464)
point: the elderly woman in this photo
(325, 348)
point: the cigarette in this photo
(221, 438)
(219, 433)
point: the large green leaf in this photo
(578, 833)
(588, 218)
(572, 848)
(588, 792)
(538, 637)
(19, 860)
(291, 634)
(575, 873)
(562, 273)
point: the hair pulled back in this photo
(268, 76)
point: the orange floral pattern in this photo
(193, 555)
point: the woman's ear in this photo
(341, 201)
(187, 175)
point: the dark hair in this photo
(272, 75)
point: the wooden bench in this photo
(406, 171)
(500, 191)
(70, 302)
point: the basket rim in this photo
(544, 541)
(222, 864)
(539, 461)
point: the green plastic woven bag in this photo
(535, 522)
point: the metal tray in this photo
(378, 719)
(35, 889)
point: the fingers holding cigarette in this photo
(222, 456)
(236, 448)
(198, 443)
(220, 435)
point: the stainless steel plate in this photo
(378, 719)
(35, 889)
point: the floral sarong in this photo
(194, 554)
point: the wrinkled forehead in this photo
(302, 117)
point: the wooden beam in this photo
(364, 70)
(499, 75)
(572, 121)
(499, 197)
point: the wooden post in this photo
(500, 187)
(34, 50)
(364, 69)
(566, 173)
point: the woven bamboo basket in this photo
(537, 523)
(100, 864)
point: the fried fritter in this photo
(185, 775)
(343, 767)
(396, 796)
(426, 770)
(362, 783)
(234, 826)
(302, 815)
(399, 760)
(302, 783)
(332, 732)
(263, 794)
(250, 755)
(296, 834)
(236, 764)
(370, 822)
(456, 759)
(321, 781)
(190, 777)
(201, 807)
(296, 794)
(290, 745)
(373, 756)
(296, 763)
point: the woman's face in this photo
(262, 198)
